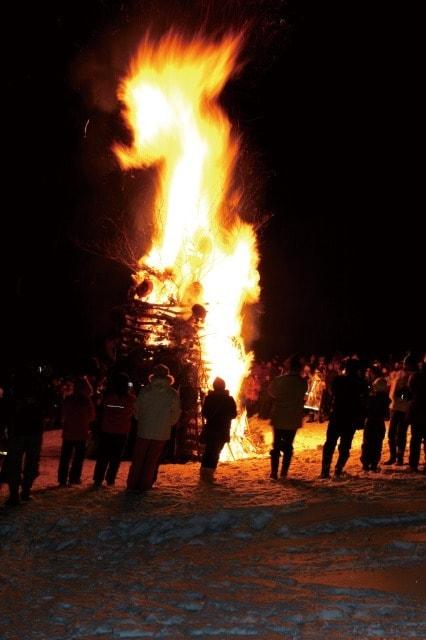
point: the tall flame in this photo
(202, 248)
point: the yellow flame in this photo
(204, 251)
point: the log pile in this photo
(159, 333)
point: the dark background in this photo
(326, 104)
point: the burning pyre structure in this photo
(163, 333)
(192, 284)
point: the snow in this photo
(244, 558)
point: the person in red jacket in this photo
(116, 419)
(78, 413)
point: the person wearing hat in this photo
(374, 428)
(157, 410)
(219, 409)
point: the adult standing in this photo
(417, 385)
(116, 412)
(349, 393)
(157, 410)
(78, 413)
(400, 396)
(219, 409)
(288, 393)
(374, 428)
(27, 409)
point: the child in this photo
(374, 429)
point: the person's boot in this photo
(392, 455)
(325, 467)
(285, 466)
(13, 500)
(26, 494)
(275, 462)
(207, 475)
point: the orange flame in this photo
(201, 249)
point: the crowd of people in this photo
(343, 391)
(350, 395)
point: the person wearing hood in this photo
(374, 428)
(157, 410)
(219, 409)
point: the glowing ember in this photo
(202, 252)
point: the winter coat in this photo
(288, 394)
(417, 385)
(27, 415)
(157, 410)
(219, 409)
(378, 406)
(117, 412)
(315, 391)
(349, 402)
(78, 413)
(400, 393)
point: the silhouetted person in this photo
(374, 428)
(400, 395)
(157, 410)
(116, 412)
(78, 413)
(331, 373)
(349, 393)
(27, 411)
(288, 393)
(417, 385)
(219, 409)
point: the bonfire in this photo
(194, 284)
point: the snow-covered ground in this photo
(246, 558)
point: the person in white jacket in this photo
(157, 410)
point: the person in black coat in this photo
(374, 428)
(219, 409)
(417, 385)
(27, 412)
(349, 393)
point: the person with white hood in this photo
(157, 410)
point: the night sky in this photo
(326, 107)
